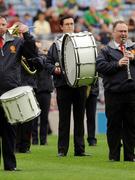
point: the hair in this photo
(118, 22)
(62, 18)
(2, 17)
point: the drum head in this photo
(69, 60)
(15, 92)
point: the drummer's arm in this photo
(51, 64)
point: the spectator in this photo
(92, 17)
(42, 27)
(104, 34)
(13, 20)
(27, 19)
(105, 16)
(3, 9)
(54, 21)
(116, 14)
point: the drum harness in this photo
(58, 43)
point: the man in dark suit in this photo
(116, 64)
(66, 97)
(11, 50)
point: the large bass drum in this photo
(20, 104)
(79, 53)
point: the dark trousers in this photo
(91, 104)
(120, 112)
(7, 133)
(44, 99)
(67, 96)
(23, 136)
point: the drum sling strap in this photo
(58, 43)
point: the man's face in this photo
(68, 26)
(3, 26)
(120, 33)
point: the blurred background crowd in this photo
(95, 16)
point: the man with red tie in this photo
(11, 50)
(117, 67)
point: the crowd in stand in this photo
(95, 16)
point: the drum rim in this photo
(62, 55)
(3, 99)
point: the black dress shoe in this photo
(114, 160)
(61, 154)
(93, 142)
(27, 151)
(12, 169)
(130, 160)
(43, 143)
(35, 142)
(82, 154)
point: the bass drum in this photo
(20, 104)
(79, 53)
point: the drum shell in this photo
(20, 104)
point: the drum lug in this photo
(8, 112)
(30, 104)
(19, 110)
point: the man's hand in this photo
(22, 28)
(123, 61)
(57, 70)
(129, 55)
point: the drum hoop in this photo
(77, 59)
(62, 59)
(62, 54)
(18, 96)
(12, 98)
(95, 47)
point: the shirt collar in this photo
(118, 45)
(3, 37)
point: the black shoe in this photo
(49, 131)
(82, 154)
(114, 160)
(61, 154)
(92, 142)
(130, 160)
(43, 143)
(27, 151)
(12, 169)
(35, 142)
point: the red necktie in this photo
(1, 42)
(122, 47)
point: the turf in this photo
(43, 164)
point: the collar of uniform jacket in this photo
(8, 37)
(115, 45)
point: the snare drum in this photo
(20, 104)
(79, 53)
